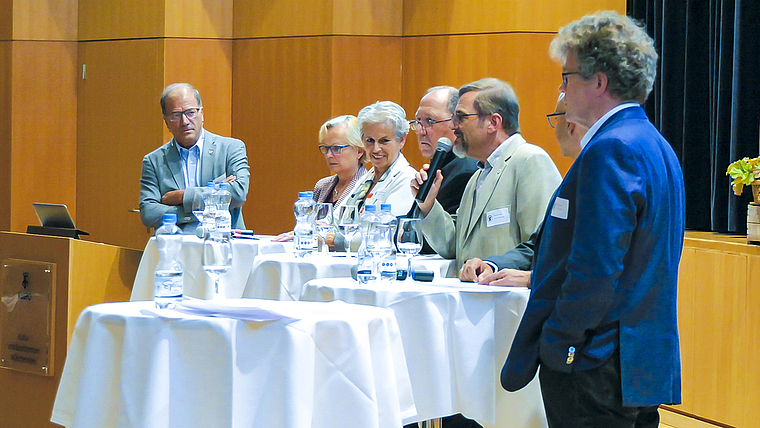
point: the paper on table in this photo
(209, 308)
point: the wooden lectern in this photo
(81, 274)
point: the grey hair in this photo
(453, 96)
(495, 96)
(386, 112)
(353, 133)
(169, 89)
(614, 44)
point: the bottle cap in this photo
(210, 184)
(385, 207)
(306, 194)
(223, 186)
(169, 218)
(369, 208)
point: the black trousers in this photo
(591, 399)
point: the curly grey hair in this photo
(386, 112)
(614, 44)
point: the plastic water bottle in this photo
(305, 235)
(223, 217)
(209, 210)
(168, 283)
(365, 272)
(386, 227)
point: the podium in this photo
(36, 326)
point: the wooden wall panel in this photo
(287, 18)
(520, 59)
(123, 19)
(119, 123)
(427, 17)
(43, 138)
(750, 370)
(45, 19)
(6, 19)
(281, 96)
(199, 18)
(210, 72)
(6, 50)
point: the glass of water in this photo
(409, 241)
(323, 221)
(198, 206)
(348, 222)
(217, 259)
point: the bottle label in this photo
(305, 242)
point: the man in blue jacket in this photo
(601, 319)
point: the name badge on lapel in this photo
(560, 208)
(497, 217)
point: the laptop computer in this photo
(54, 216)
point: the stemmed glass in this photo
(348, 221)
(217, 259)
(409, 241)
(323, 221)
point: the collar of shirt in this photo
(196, 151)
(598, 124)
(491, 159)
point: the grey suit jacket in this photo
(522, 181)
(162, 172)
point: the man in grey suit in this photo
(175, 172)
(504, 202)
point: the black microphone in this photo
(444, 147)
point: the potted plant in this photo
(746, 172)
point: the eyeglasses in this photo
(335, 148)
(458, 117)
(564, 76)
(419, 125)
(552, 118)
(190, 114)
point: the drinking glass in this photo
(409, 241)
(348, 222)
(217, 259)
(323, 221)
(198, 206)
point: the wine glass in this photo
(323, 221)
(198, 206)
(409, 241)
(348, 221)
(217, 259)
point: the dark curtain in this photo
(705, 98)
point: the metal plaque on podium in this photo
(27, 316)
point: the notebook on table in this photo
(55, 220)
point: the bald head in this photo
(434, 115)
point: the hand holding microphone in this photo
(436, 163)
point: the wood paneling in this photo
(209, 71)
(119, 123)
(45, 20)
(426, 17)
(6, 50)
(287, 18)
(520, 59)
(199, 18)
(6, 19)
(750, 370)
(43, 138)
(282, 90)
(123, 19)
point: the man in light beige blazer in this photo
(505, 200)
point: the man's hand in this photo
(473, 268)
(173, 197)
(420, 178)
(228, 179)
(284, 237)
(506, 278)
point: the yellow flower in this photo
(744, 172)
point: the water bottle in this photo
(386, 228)
(305, 235)
(223, 217)
(209, 208)
(365, 272)
(168, 283)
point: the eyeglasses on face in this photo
(552, 118)
(335, 148)
(568, 73)
(459, 117)
(190, 114)
(419, 125)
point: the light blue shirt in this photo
(191, 162)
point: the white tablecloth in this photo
(335, 365)
(282, 276)
(197, 282)
(456, 338)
